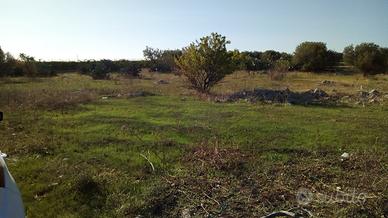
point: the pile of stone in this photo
(372, 96)
(313, 96)
(278, 96)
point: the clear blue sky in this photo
(95, 29)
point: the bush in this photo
(101, 69)
(369, 58)
(311, 56)
(131, 69)
(206, 62)
(279, 69)
(282, 66)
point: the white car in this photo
(11, 204)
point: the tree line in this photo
(367, 58)
(26, 65)
(207, 61)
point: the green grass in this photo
(85, 160)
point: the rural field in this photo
(152, 147)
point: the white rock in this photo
(345, 156)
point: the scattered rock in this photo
(345, 156)
(373, 101)
(327, 82)
(276, 96)
(363, 94)
(374, 92)
(313, 96)
(162, 82)
(186, 213)
(124, 127)
(319, 93)
(53, 184)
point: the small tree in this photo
(311, 56)
(206, 62)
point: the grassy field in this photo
(85, 148)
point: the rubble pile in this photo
(313, 96)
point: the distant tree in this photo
(130, 68)
(206, 62)
(28, 65)
(286, 56)
(2, 56)
(348, 55)
(161, 60)
(167, 61)
(152, 56)
(101, 69)
(333, 58)
(310, 56)
(369, 58)
(384, 51)
(253, 61)
(2, 63)
(10, 62)
(282, 66)
(269, 58)
(240, 59)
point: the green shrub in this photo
(206, 62)
(311, 56)
(368, 58)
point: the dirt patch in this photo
(228, 160)
(230, 182)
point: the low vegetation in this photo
(218, 134)
(126, 147)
